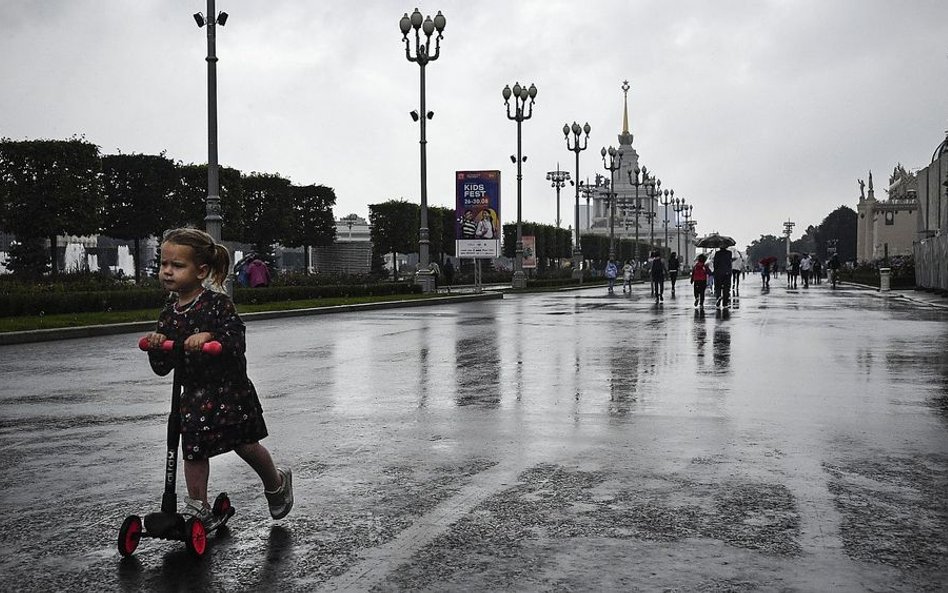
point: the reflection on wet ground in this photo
(795, 442)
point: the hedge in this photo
(49, 303)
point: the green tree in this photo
(268, 210)
(767, 246)
(29, 259)
(138, 192)
(838, 229)
(189, 205)
(394, 228)
(313, 222)
(50, 188)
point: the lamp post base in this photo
(426, 280)
(519, 280)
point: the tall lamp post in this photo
(636, 183)
(654, 189)
(669, 196)
(613, 165)
(523, 110)
(213, 221)
(558, 179)
(689, 227)
(422, 56)
(787, 230)
(577, 148)
(678, 208)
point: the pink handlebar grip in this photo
(213, 347)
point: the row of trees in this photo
(837, 231)
(50, 188)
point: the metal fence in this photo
(931, 263)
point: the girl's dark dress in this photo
(219, 405)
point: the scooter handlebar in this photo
(213, 347)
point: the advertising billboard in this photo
(477, 214)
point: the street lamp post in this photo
(613, 165)
(669, 196)
(689, 227)
(558, 179)
(577, 148)
(787, 230)
(213, 221)
(523, 110)
(422, 56)
(678, 208)
(654, 189)
(636, 183)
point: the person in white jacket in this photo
(628, 271)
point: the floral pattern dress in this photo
(219, 405)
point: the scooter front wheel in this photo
(195, 536)
(129, 535)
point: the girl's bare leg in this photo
(195, 476)
(258, 457)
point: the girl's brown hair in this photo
(206, 252)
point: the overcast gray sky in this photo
(753, 111)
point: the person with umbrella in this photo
(722, 277)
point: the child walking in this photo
(699, 277)
(219, 408)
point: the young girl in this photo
(220, 411)
(699, 277)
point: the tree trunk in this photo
(307, 259)
(138, 255)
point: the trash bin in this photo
(885, 279)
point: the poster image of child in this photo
(486, 225)
(468, 225)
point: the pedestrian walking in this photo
(674, 265)
(737, 269)
(793, 270)
(833, 265)
(611, 272)
(699, 279)
(220, 410)
(817, 271)
(657, 272)
(627, 271)
(806, 267)
(765, 275)
(448, 273)
(258, 274)
(722, 278)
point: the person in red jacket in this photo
(699, 277)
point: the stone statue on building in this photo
(862, 189)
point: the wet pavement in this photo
(552, 442)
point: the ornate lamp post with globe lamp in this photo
(523, 110)
(558, 179)
(679, 207)
(613, 165)
(577, 148)
(422, 56)
(669, 196)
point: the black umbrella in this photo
(715, 241)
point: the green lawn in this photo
(33, 322)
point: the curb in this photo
(898, 294)
(69, 333)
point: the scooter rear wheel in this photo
(129, 535)
(195, 536)
(222, 506)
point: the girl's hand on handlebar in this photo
(194, 342)
(155, 340)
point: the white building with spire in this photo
(639, 214)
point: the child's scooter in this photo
(168, 523)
